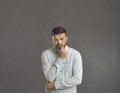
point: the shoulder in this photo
(74, 51)
(48, 51)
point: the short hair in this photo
(58, 30)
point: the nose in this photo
(59, 41)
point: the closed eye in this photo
(62, 39)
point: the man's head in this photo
(59, 37)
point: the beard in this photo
(59, 46)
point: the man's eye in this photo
(62, 39)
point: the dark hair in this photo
(58, 30)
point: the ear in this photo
(66, 38)
(52, 37)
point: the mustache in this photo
(59, 46)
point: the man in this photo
(61, 65)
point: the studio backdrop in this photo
(93, 28)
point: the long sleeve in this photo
(77, 71)
(50, 69)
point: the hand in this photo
(62, 53)
(51, 85)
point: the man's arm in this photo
(77, 74)
(62, 54)
(50, 70)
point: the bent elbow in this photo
(78, 81)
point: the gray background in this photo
(93, 29)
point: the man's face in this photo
(59, 40)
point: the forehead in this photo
(62, 35)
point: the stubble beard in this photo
(59, 46)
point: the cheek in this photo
(54, 43)
(64, 43)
